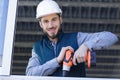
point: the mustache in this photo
(51, 28)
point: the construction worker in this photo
(48, 53)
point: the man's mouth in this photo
(52, 30)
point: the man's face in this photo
(51, 25)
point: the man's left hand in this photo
(80, 54)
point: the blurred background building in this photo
(79, 15)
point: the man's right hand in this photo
(62, 53)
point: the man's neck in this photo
(53, 40)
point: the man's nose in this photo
(50, 24)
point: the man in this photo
(48, 54)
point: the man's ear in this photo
(40, 24)
(61, 20)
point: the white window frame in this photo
(8, 38)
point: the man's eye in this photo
(45, 21)
(54, 19)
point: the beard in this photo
(53, 36)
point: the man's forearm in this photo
(43, 70)
(34, 67)
(99, 40)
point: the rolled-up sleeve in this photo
(96, 41)
(34, 67)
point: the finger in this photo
(84, 59)
(69, 47)
(80, 59)
(63, 50)
(74, 60)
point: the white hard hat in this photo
(47, 7)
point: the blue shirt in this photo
(94, 41)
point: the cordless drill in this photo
(67, 63)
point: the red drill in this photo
(67, 63)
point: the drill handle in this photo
(88, 59)
(68, 58)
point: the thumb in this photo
(74, 60)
